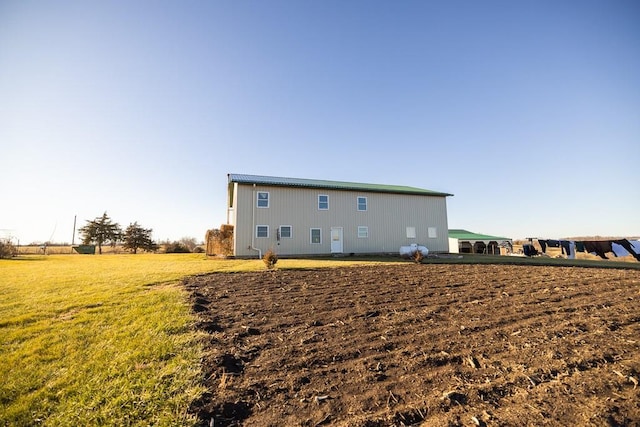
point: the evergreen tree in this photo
(136, 237)
(99, 231)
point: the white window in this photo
(362, 203)
(363, 232)
(432, 233)
(323, 202)
(262, 231)
(411, 232)
(316, 236)
(285, 232)
(263, 199)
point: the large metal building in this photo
(296, 217)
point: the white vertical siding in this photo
(387, 217)
(453, 245)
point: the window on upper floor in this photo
(362, 203)
(323, 202)
(263, 199)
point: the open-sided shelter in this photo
(463, 241)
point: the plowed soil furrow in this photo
(409, 344)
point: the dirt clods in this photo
(420, 344)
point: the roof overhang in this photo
(331, 185)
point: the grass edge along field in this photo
(103, 340)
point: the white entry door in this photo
(336, 240)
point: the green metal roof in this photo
(331, 185)
(468, 235)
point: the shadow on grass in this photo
(26, 258)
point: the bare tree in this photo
(189, 242)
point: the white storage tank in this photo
(409, 251)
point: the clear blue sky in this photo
(527, 111)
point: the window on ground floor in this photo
(285, 232)
(363, 232)
(316, 236)
(411, 232)
(262, 231)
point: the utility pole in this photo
(73, 238)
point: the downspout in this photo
(253, 225)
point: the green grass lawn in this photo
(99, 340)
(103, 340)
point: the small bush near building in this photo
(270, 259)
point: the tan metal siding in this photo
(387, 217)
(243, 216)
(232, 212)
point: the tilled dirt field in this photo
(409, 344)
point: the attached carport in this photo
(463, 241)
